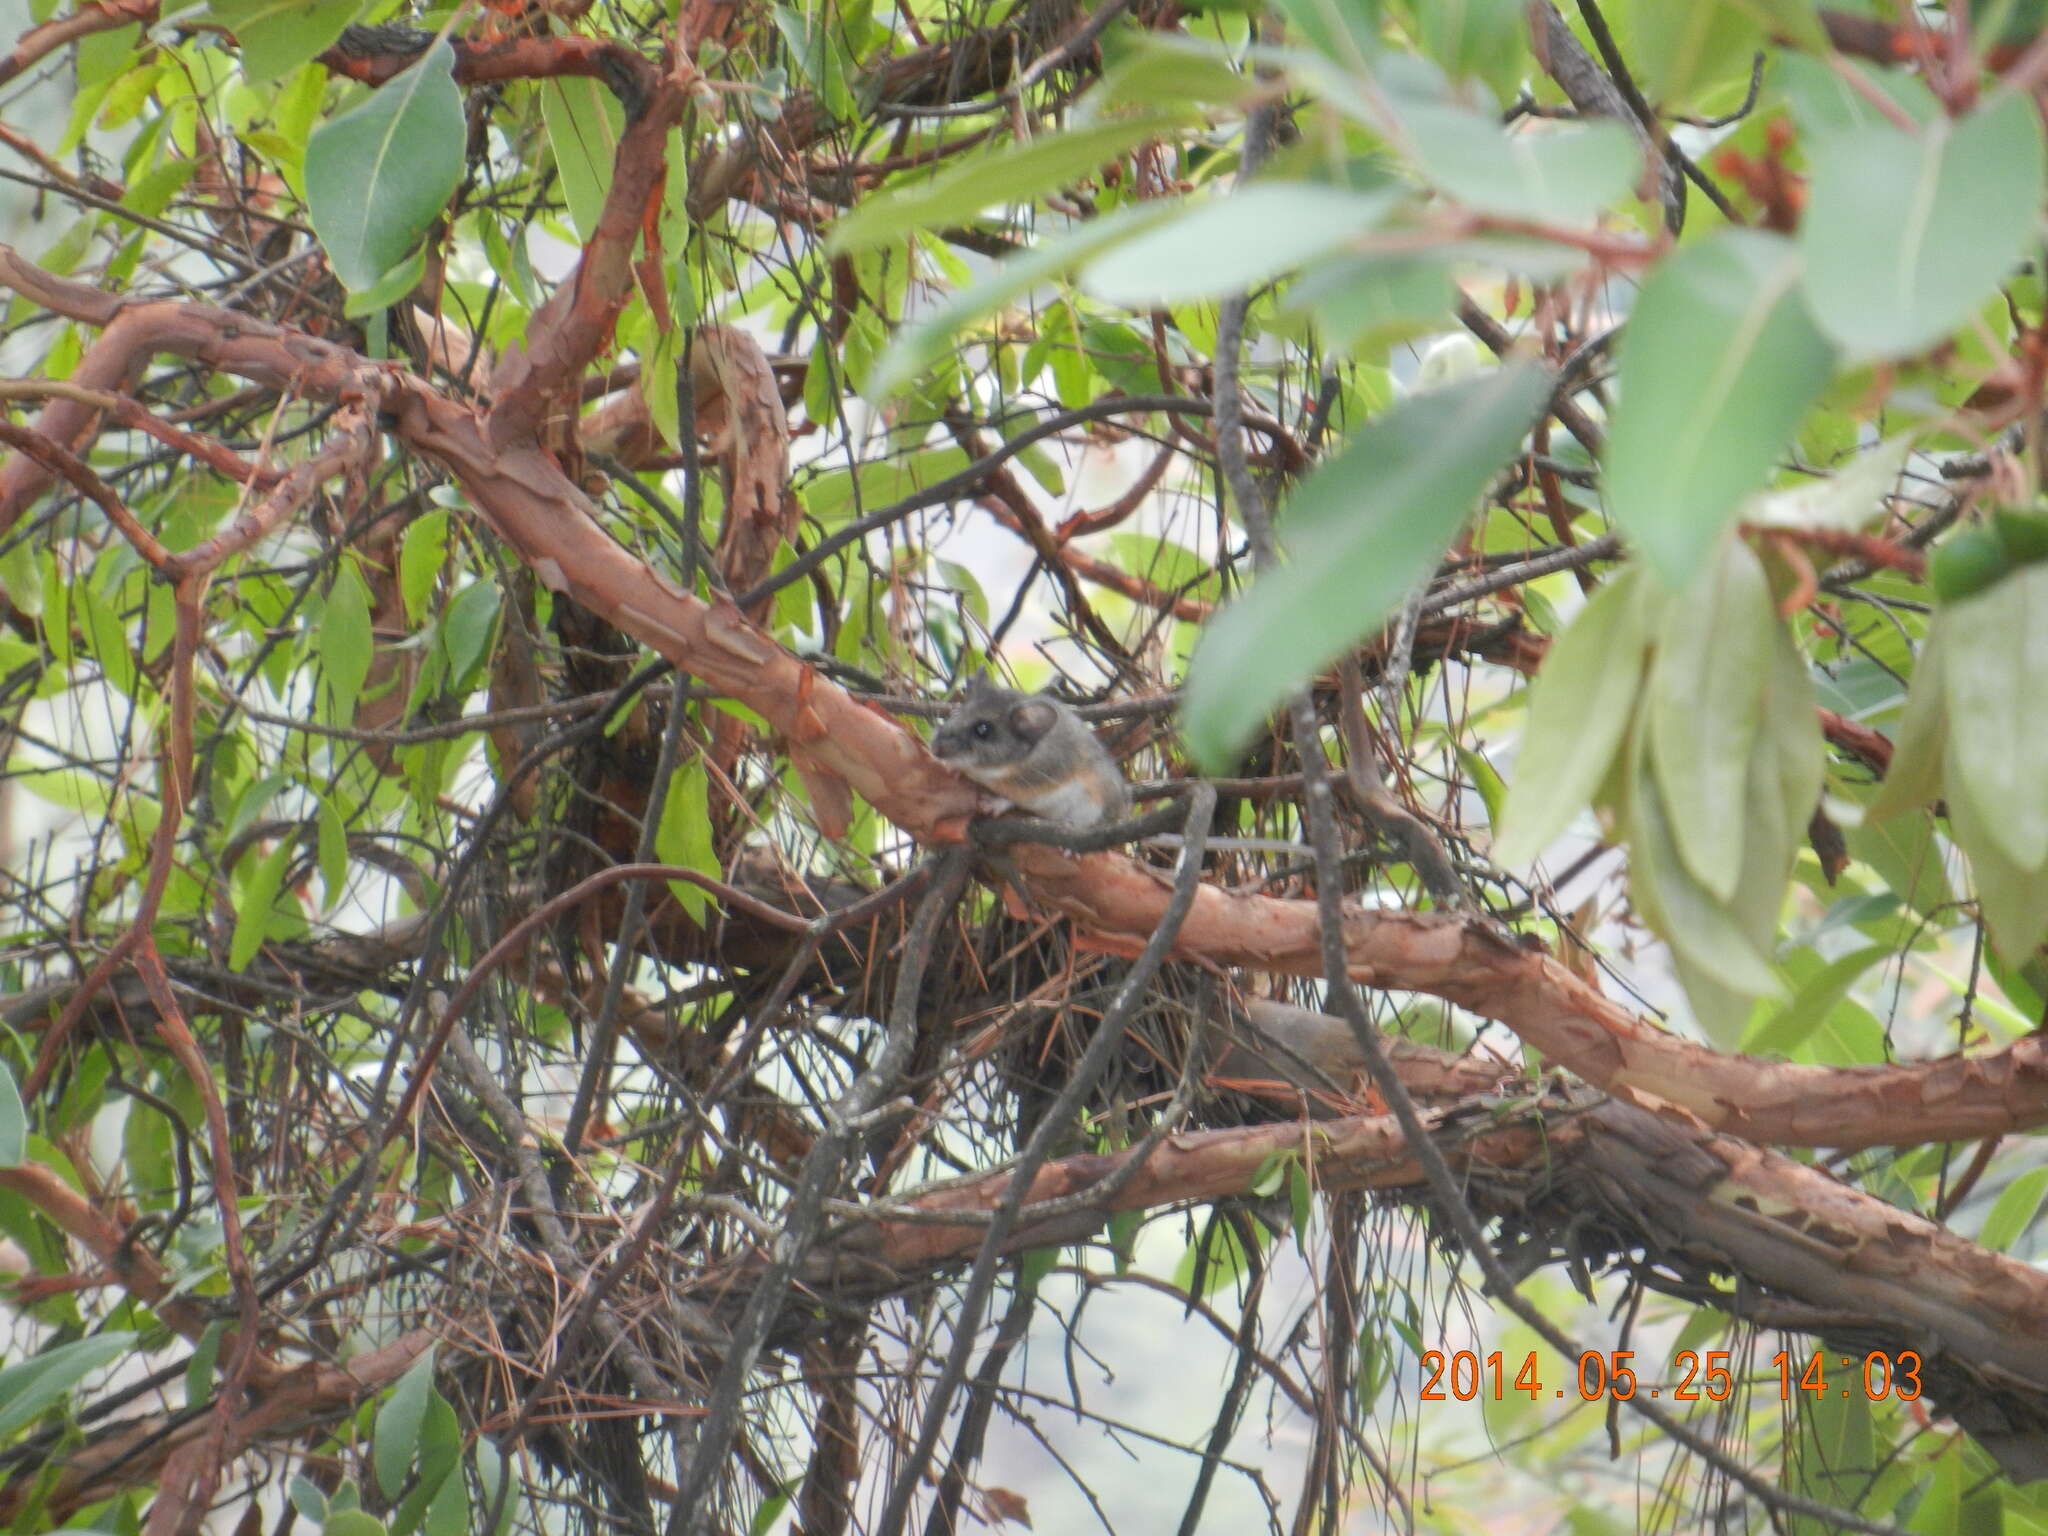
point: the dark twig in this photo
(1343, 1000)
(1057, 1121)
(824, 1167)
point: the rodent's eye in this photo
(983, 730)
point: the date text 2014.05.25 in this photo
(1463, 1375)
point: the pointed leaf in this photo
(1359, 533)
(1919, 739)
(277, 36)
(1677, 907)
(1228, 244)
(1552, 175)
(1885, 271)
(918, 344)
(1579, 711)
(36, 1384)
(2012, 898)
(1994, 654)
(380, 173)
(397, 1434)
(13, 1120)
(1015, 174)
(1718, 366)
(1706, 705)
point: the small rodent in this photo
(1035, 752)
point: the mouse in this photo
(1034, 751)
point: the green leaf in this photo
(1706, 701)
(684, 835)
(584, 122)
(39, 1382)
(2018, 1204)
(1885, 273)
(1848, 499)
(1699, 929)
(1367, 302)
(106, 638)
(199, 1369)
(1344, 31)
(308, 1500)
(352, 1522)
(1919, 739)
(1359, 533)
(1994, 654)
(379, 174)
(345, 643)
(1550, 175)
(333, 851)
(1579, 711)
(1783, 1032)
(421, 554)
(1475, 37)
(398, 1425)
(464, 632)
(491, 1472)
(1228, 244)
(389, 289)
(13, 1120)
(448, 1513)
(1016, 174)
(277, 36)
(1681, 50)
(1718, 365)
(2012, 898)
(257, 904)
(150, 193)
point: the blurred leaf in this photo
(1228, 244)
(1486, 38)
(2018, 1204)
(1579, 711)
(464, 632)
(1706, 704)
(421, 553)
(380, 173)
(1848, 499)
(2012, 897)
(1884, 272)
(277, 36)
(257, 903)
(397, 1434)
(1548, 175)
(1358, 533)
(13, 1120)
(1683, 913)
(1718, 364)
(584, 122)
(1682, 51)
(1783, 1032)
(1015, 174)
(1366, 302)
(1346, 32)
(38, 1383)
(919, 343)
(1919, 739)
(1994, 655)
(345, 643)
(683, 836)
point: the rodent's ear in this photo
(1034, 717)
(977, 686)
